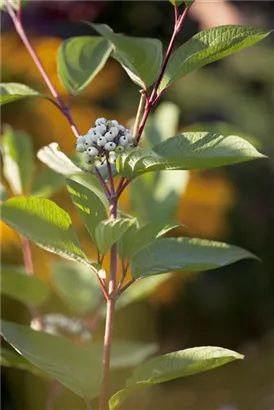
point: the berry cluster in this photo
(104, 141)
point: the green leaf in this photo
(10, 92)
(76, 367)
(124, 242)
(18, 160)
(77, 286)
(3, 193)
(184, 254)
(47, 182)
(89, 198)
(140, 57)
(140, 290)
(208, 46)
(44, 223)
(147, 234)
(173, 366)
(26, 289)
(108, 232)
(57, 160)
(8, 358)
(80, 59)
(192, 150)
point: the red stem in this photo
(153, 97)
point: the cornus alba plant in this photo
(110, 159)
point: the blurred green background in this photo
(231, 307)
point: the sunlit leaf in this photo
(140, 57)
(18, 160)
(56, 160)
(88, 196)
(173, 366)
(179, 254)
(76, 367)
(22, 287)
(10, 92)
(208, 46)
(80, 59)
(44, 223)
(192, 150)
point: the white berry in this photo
(91, 130)
(128, 133)
(92, 151)
(121, 128)
(123, 141)
(101, 141)
(109, 136)
(110, 146)
(81, 139)
(114, 131)
(101, 129)
(131, 145)
(114, 123)
(88, 141)
(112, 159)
(88, 158)
(80, 147)
(100, 121)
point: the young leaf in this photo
(18, 160)
(184, 254)
(13, 3)
(147, 234)
(10, 92)
(80, 59)
(77, 286)
(88, 200)
(67, 362)
(26, 289)
(57, 160)
(108, 232)
(8, 358)
(47, 182)
(44, 223)
(140, 57)
(191, 150)
(173, 366)
(208, 46)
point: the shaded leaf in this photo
(80, 59)
(47, 182)
(179, 254)
(18, 160)
(193, 150)
(108, 232)
(10, 92)
(208, 46)
(140, 290)
(3, 193)
(57, 160)
(77, 286)
(9, 358)
(173, 366)
(88, 196)
(44, 223)
(140, 57)
(26, 289)
(76, 367)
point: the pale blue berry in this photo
(101, 141)
(123, 140)
(80, 147)
(114, 123)
(109, 136)
(81, 139)
(121, 128)
(101, 129)
(92, 151)
(110, 146)
(112, 159)
(114, 131)
(100, 121)
(88, 141)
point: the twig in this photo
(139, 113)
